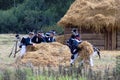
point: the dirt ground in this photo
(7, 42)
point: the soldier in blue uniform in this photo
(73, 43)
(50, 36)
(38, 38)
(25, 42)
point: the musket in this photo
(11, 50)
(15, 46)
(16, 53)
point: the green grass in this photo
(27, 74)
(59, 78)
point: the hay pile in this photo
(48, 54)
(93, 14)
(60, 39)
(86, 49)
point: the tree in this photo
(31, 14)
(7, 4)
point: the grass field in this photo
(108, 59)
(7, 42)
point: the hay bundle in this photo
(86, 50)
(53, 54)
(31, 48)
(60, 39)
(92, 14)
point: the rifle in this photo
(14, 48)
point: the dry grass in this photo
(107, 57)
(107, 60)
(6, 43)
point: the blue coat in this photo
(26, 41)
(50, 39)
(73, 45)
(37, 39)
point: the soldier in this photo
(38, 38)
(73, 43)
(25, 42)
(50, 36)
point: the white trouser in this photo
(94, 53)
(75, 57)
(91, 61)
(23, 51)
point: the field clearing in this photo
(7, 41)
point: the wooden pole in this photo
(109, 41)
(106, 41)
(114, 39)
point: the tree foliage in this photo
(28, 15)
(7, 4)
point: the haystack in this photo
(97, 15)
(60, 39)
(53, 54)
(86, 49)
